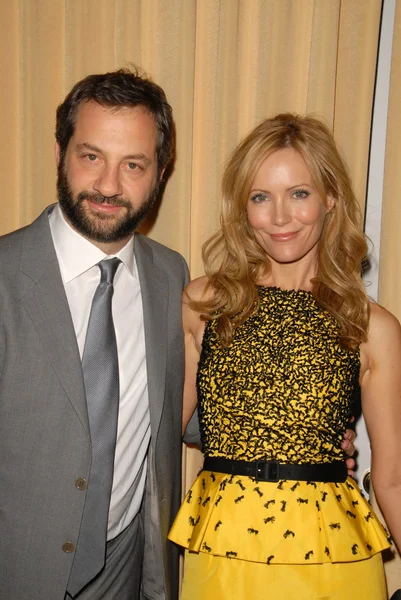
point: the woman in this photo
(279, 336)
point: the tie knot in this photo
(108, 268)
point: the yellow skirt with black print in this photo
(286, 539)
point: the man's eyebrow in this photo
(138, 156)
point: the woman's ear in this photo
(330, 203)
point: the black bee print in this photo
(287, 533)
(269, 519)
(368, 517)
(231, 554)
(324, 496)
(267, 504)
(302, 500)
(336, 484)
(206, 501)
(280, 485)
(251, 530)
(354, 549)
(327, 551)
(200, 500)
(197, 520)
(231, 479)
(335, 526)
(189, 497)
(218, 500)
(317, 505)
(191, 521)
(355, 503)
(283, 505)
(339, 497)
(223, 485)
(206, 547)
(239, 482)
(351, 514)
(294, 487)
(269, 559)
(369, 547)
(257, 490)
(308, 555)
(237, 500)
(349, 486)
(217, 525)
(203, 484)
(311, 483)
(213, 477)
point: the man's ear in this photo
(161, 174)
(57, 153)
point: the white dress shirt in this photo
(78, 259)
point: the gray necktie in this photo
(100, 370)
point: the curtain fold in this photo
(10, 106)
(390, 245)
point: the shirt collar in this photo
(76, 254)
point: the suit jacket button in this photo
(68, 547)
(81, 483)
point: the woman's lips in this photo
(283, 237)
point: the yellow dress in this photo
(282, 390)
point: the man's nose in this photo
(108, 183)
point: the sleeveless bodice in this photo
(282, 389)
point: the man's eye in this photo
(91, 157)
(132, 166)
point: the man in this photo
(91, 362)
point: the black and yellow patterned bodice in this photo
(282, 389)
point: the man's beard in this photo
(103, 228)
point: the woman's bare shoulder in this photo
(381, 322)
(384, 336)
(198, 290)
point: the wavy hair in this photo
(234, 261)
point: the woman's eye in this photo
(301, 194)
(259, 197)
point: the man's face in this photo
(108, 179)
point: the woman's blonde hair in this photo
(234, 260)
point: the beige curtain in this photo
(225, 65)
(390, 246)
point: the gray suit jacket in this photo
(44, 433)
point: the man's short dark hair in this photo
(118, 89)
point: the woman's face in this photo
(285, 210)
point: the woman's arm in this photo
(193, 332)
(381, 407)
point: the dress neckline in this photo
(278, 290)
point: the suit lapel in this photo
(47, 305)
(154, 291)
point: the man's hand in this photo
(348, 445)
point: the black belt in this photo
(271, 470)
